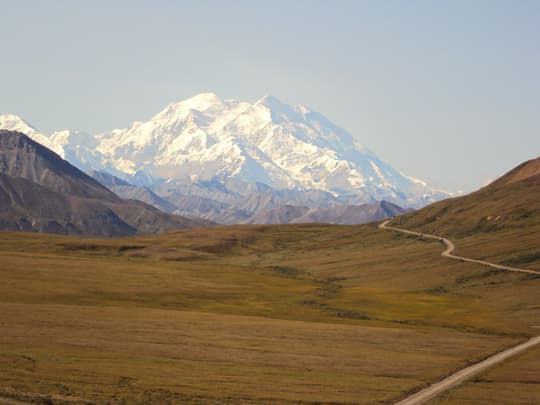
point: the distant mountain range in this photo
(205, 154)
(260, 207)
(39, 191)
(339, 214)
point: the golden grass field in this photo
(515, 381)
(253, 314)
(500, 222)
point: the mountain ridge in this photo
(341, 214)
(40, 191)
(205, 138)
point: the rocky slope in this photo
(339, 214)
(39, 191)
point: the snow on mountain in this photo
(206, 138)
(15, 123)
(79, 148)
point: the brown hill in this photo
(528, 172)
(510, 202)
(28, 206)
(21, 157)
(41, 192)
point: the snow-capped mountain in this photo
(15, 123)
(79, 148)
(206, 139)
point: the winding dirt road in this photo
(450, 248)
(468, 372)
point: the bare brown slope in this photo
(42, 192)
(499, 223)
(27, 206)
(528, 171)
(512, 201)
(21, 157)
(148, 219)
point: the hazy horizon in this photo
(445, 92)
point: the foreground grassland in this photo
(515, 381)
(304, 313)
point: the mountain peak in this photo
(267, 98)
(207, 95)
(202, 101)
(15, 123)
(268, 141)
(280, 111)
(272, 103)
(12, 122)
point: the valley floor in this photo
(102, 353)
(517, 381)
(256, 314)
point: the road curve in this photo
(450, 248)
(466, 373)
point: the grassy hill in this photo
(500, 222)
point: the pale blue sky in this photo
(447, 91)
